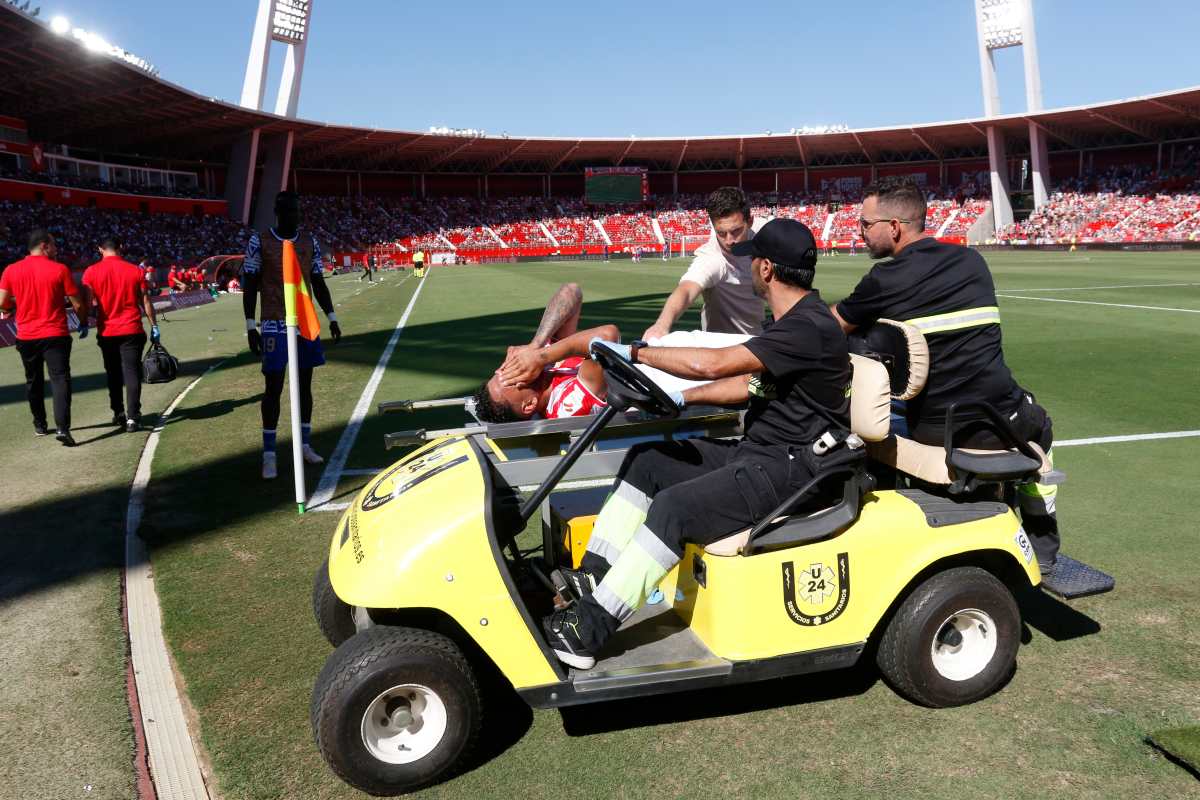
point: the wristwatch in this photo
(634, 346)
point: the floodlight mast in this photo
(285, 21)
(1000, 24)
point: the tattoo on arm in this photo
(565, 303)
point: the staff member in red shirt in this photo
(116, 290)
(38, 285)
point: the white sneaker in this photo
(269, 471)
(311, 456)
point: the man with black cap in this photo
(796, 378)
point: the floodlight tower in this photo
(1000, 24)
(283, 21)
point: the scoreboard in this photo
(611, 185)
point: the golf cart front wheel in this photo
(953, 640)
(337, 620)
(395, 709)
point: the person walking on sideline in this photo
(116, 289)
(37, 285)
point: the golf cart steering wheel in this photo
(629, 386)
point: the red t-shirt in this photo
(569, 397)
(114, 283)
(39, 285)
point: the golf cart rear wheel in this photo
(953, 640)
(395, 709)
(334, 617)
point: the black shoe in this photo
(573, 584)
(1047, 569)
(118, 419)
(65, 438)
(132, 426)
(40, 429)
(562, 632)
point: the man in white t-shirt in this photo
(730, 305)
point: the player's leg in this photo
(131, 368)
(35, 381)
(110, 355)
(312, 355)
(58, 364)
(274, 362)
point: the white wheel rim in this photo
(404, 724)
(969, 657)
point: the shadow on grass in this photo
(721, 702)
(44, 542)
(1053, 617)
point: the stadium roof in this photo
(68, 95)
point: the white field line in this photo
(337, 462)
(1093, 303)
(174, 766)
(1088, 288)
(1136, 437)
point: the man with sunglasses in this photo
(946, 291)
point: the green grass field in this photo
(234, 564)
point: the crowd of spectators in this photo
(158, 239)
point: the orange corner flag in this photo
(298, 304)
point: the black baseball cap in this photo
(784, 241)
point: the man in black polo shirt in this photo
(946, 291)
(796, 377)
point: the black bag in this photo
(159, 366)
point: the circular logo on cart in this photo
(402, 477)
(817, 593)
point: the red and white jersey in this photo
(568, 395)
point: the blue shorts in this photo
(275, 356)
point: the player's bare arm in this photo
(561, 317)
(679, 301)
(701, 363)
(523, 365)
(250, 309)
(325, 301)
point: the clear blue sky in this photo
(656, 67)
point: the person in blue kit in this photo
(946, 291)
(262, 273)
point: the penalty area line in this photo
(1087, 288)
(337, 462)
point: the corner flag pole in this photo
(291, 280)
(294, 401)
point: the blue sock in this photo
(268, 441)
(305, 433)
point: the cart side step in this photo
(1072, 579)
(679, 671)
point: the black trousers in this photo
(123, 369)
(1039, 514)
(55, 354)
(696, 490)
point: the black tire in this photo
(966, 596)
(334, 617)
(372, 662)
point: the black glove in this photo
(255, 339)
(335, 331)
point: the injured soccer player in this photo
(552, 376)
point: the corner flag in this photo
(301, 320)
(298, 304)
